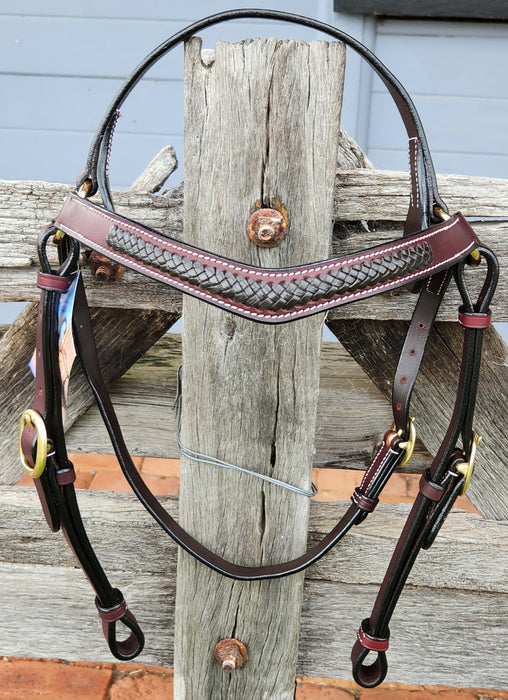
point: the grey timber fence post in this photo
(262, 128)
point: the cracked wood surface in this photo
(265, 411)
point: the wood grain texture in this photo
(250, 391)
(457, 590)
(123, 335)
(352, 414)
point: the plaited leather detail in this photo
(273, 296)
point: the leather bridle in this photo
(435, 247)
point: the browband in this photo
(435, 247)
(267, 294)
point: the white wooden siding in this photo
(456, 75)
(60, 67)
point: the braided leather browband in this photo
(266, 294)
(431, 251)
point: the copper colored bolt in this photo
(267, 227)
(104, 269)
(230, 654)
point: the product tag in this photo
(66, 348)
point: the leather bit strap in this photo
(55, 485)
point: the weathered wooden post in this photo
(262, 126)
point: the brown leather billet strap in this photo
(268, 295)
(415, 343)
(424, 195)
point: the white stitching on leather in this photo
(313, 307)
(413, 168)
(251, 271)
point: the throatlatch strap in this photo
(386, 459)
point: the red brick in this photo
(139, 684)
(109, 481)
(314, 691)
(162, 486)
(25, 480)
(161, 467)
(88, 462)
(459, 694)
(387, 691)
(34, 679)
(341, 482)
(398, 489)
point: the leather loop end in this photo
(369, 675)
(128, 648)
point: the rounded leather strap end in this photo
(369, 675)
(128, 648)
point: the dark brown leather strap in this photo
(55, 486)
(425, 196)
(266, 294)
(439, 488)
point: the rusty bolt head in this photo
(230, 654)
(267, 227)
(104, 269)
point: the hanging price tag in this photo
(66, 347)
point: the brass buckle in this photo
(34, 421)
(441, 213)
(467, 468)
(407, 445)
(85, 189)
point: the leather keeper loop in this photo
(364, 502)
(372, 643)
(52, 283)
(473, 320)
(66, 476)
(111, 614)
(430, 489)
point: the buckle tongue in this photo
(407, 445)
